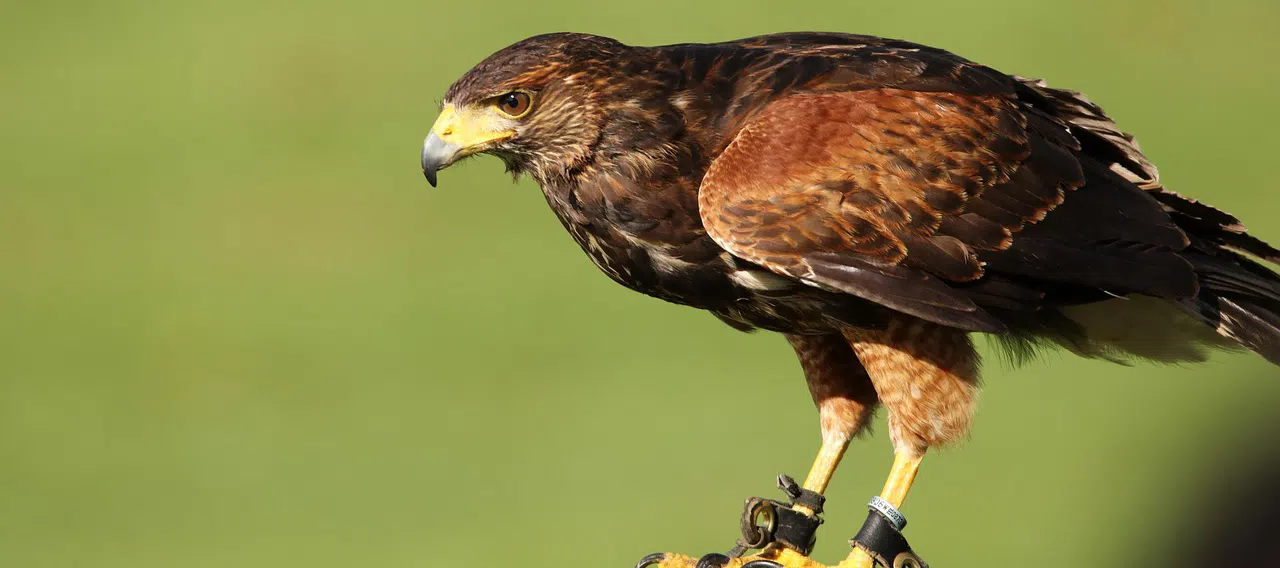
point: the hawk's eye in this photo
(514, 104)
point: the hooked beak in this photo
(436, 155)
(458, 133)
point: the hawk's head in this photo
(539, 105)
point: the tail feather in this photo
(1253, 326)
(1238, 297)
(1240, 278)
(1256, 327)
(1215, 225)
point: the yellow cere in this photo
(470, 127)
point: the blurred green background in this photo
(237, 328)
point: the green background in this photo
(237, 328)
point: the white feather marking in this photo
(593, 244)
(849, 47)
(667, 263)
(682, 100)
(599, 258)
(760, 280)
(1227, 326)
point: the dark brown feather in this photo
(811, 182)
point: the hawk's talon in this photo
(713, 560)
(772, 557)
(656, 558)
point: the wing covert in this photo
(886, 194)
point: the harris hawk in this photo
(875, 201)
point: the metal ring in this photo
(908, 560)
(753, 534)
(895, 517)
(765, 510)
(761, 563)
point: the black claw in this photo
(655, 558)
(713, 560)
(762, 564)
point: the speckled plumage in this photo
(875, 200)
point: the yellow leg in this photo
(900, 479)
(793, 559)
(824, 466)
(895, 492)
